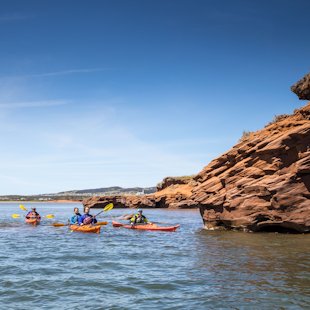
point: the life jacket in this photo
(75, 218)
(139, 219)
(33, 214)
(88, 220)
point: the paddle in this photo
(125, 216)
(107, 208)
(48, 216)
(22, 207)
(61, 224)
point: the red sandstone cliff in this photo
(263, 182)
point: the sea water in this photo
(45, 267)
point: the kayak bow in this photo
(33, 221)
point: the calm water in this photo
(47, 268)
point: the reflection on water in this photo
(46, 267)
(257, 268)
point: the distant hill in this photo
(78, 195)
(110, 190)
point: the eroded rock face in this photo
(168, 181)
(172, 197)
(302, 88)
(262, 183)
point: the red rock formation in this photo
(261, 184)
(168, 181)
(173, 196)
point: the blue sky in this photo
(103, 93)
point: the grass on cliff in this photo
(278, 118)
(245, 135)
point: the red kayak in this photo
(152, 227)
(33, 221)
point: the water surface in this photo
(47, 268)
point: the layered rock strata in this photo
(263, 182)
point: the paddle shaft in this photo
(61, 224)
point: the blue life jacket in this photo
(75, 218)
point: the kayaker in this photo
(139, 218)
(75, 218)
(33, 214)
(87, 218)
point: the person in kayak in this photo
(87, 218)
(33, 214)
(75, 218)
(139, 218)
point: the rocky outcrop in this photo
(168, 181)
(302, 88)
(262, 183)
(172, 197)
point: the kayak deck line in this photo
(150, 227)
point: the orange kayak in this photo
(33, 221)
(152, 227)
(86, 228)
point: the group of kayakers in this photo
(87, 222)
(87, 218)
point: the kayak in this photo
(152, 227)
(86, 228)
(33, 221)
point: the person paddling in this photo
(87, 218)
(74, 220)
(139, 218)
(33, 214)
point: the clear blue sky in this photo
(102, 93)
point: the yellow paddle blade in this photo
(15, 216)
(49, 216)
(102, 223)
(108, 207)
(22, 207)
